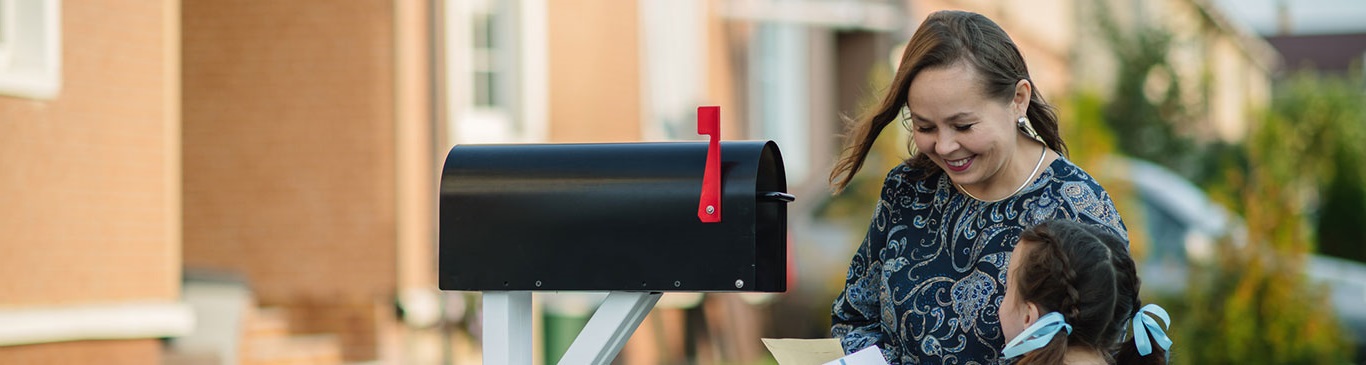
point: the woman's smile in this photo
(959, 165)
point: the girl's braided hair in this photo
(1085, 273)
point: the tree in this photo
(1330, 113)
(1255, 304)
(1147, 101)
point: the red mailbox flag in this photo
(709, 123)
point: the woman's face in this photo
(1015, 313)
(972, 137)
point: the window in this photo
(496, 70)
(485, 59)
(30, 48)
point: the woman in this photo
(987, 161)
(1072, 291)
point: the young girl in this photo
(1071, 292)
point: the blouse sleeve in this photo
(856, 315)
(1088, 202)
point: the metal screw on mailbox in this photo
(739, 283)
(538, 283)
(711, 209)
(677, 283)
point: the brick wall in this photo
(89, 191)
(288, 145)
(289, 120)
(594, 46)
(356, 323)
(123, 352)
(89, 180)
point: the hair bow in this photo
(1144, 324)
(1037, 335)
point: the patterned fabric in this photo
(926, 282)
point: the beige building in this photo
(1226, 69)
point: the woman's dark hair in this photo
(944, 39)
(1084, 272)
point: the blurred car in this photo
(1183, 227)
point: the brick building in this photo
(90, 182)
(285, 144)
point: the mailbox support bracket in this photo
(507, 327)
(609, 328)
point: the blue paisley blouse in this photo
(926, 282)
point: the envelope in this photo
(823, 351)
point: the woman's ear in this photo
(1024, 91)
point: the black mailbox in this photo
(612, 217)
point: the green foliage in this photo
(1255, 305)
(1084, 129)
(1325, 117)
(1343, 213)
(1147, 101)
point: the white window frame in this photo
(520, 114)
(30, 48)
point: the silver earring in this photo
(1028, 129)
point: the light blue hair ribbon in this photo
(1037, 335)
(1144, 324)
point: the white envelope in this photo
(871, 355)
(823, 351)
